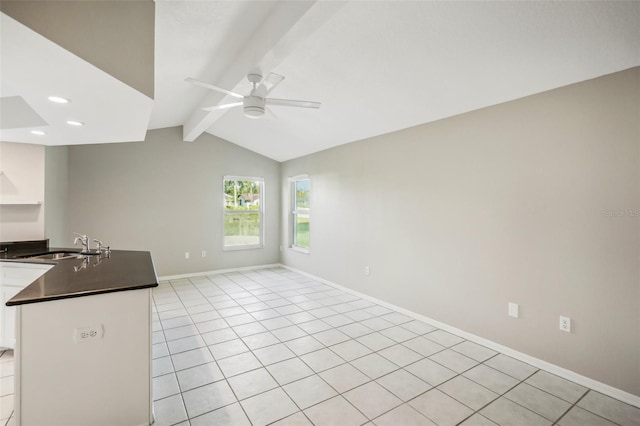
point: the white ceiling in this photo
(32, 68)
(377, 67)
(382, 66)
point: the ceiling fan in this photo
(255, 103)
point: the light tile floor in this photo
(271, 346)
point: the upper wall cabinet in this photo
(17, 202)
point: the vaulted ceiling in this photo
(376, 67)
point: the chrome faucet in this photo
(84, 240)
(102, 248)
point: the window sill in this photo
(300, 249)
(236, 248)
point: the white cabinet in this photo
(84, 361)
(13, 278)
(8, 332)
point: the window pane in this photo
(301, 231)
(302, 194)
(241, 229)
(242, 194)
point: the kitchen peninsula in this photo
(83, 339)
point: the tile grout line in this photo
(6, 421)
(599, 387)
(474, 411)
(224, 377)
(300, 410)
(282, 289)
(502, 395)
(373, 331)
(575, 404)
(172, 365)
(373, 380)
(315, 374)
(553, 422)
(263, 366)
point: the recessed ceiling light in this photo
(38, 132)
(75, 123)
(58, 99)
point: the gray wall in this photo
(509, 203)
(165, 196)
(56, 195)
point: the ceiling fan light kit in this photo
(254, 104)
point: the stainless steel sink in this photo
(55, 255)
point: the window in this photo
(243, 212)
(300, 191)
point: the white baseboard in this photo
(544, 365)
(218, 271)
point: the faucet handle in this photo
(102, 247)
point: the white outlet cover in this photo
(565, 324)
(513, 310)
(186, 254)
(88, 334)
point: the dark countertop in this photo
(120, 271)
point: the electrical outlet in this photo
(367, 271)
(87, 334)
(186, 254)
(565, 324)
(513, 310)
(204, 253)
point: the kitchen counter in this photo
(122, 270)
(74, 353)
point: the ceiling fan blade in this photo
(270, 111)
(223, 106)
(212, 87)
(292, 103)
(271, 81)
(268, 84)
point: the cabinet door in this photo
(8, 331)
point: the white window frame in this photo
(295, 212)
(260, 211)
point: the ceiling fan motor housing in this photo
(253, 106)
